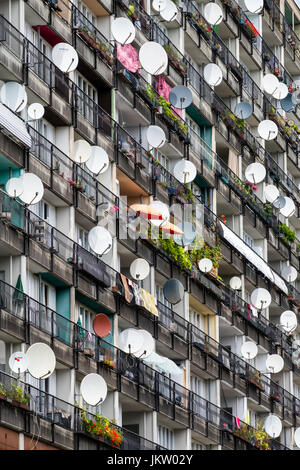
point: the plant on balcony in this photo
(212, 253)
(289, 236)
(175, 59)
(201, 25)
(256, 379)
(3, 392)
(19, 397)
(103, 428)
(244, 432)
(249, 29)
(176, 252)
(100, 46)
(171, 117)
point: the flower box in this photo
(256, 383)
(19, 404)
(2, 396)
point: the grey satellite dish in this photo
(180, 97)
(287, 104)
(14, 96)
(189, 234)
(173, 291)
(65, 57)
(243, 110)
(279, 203)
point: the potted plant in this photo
(102, 428)
(3, 392)
(19, 397)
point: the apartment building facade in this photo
(52, 285)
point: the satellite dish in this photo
(268, 130)
(65, 57)
(169, 13)
(93, 389)
(189, 234)
(281, 92)
(98, 161)
(279, 203)
(123, 30)
(254, 6)
(249, 350)
(185, 171)
(130, 340)
(289, 208)
(159, 5)
(102, 325)
(14, 96)
(274, 363)
(255, 173)
(153, 58)
(36, 111)
(156, 137)
(273, 426)
(18, 362)
(287, 104)
(81, 151)
(261, 298)
(33, 189)
(41, 360)
(163, 209)
(235, 283)
(289, 273)
(205, 265)
(213, 13)
(270, 83)
(243, 110)
(100, 240)
(139, 269)
(288, 321)
(173, 291)
(148, 345)
(14, 187)
(271, 193)
(213, 74)
(297, 437)
(180, 97)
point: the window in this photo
(197, 446)
(86, 317)
(86, 96)
(248, 240)
(161, 297)
(82, 238)
(166, 437)
(198, 386)
(161, 35)
(196, 319)
(86, 12)
(252, 418)
(164, 161)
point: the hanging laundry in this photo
(149, 301)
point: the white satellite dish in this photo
(271, 193)
(18, 362)
(249, 350)
(159, 5)
(289, 273)
(288, 321)
(273, 426)
(153, 58)
(148, 345)
(139, 269)
(123, 30)
(130, 340)
(255, 173)
(100, 240)
(213, 74)
(36, 111)
(274, 363)
(185, 171)
(169, 13)
(289, 208)
(270, 83)
(156, 137)
(93, 389)
(281, 92)
(164, 211)
(268, 130)
(65, 57)
(235, 283)
(213, 13)
(297, 437)
(33, 189)
(98, 161)
(41, 360)
(261, 298)
(14, 187)
(14, 96)
(254, 6)
(205, 265)
(81, 151)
